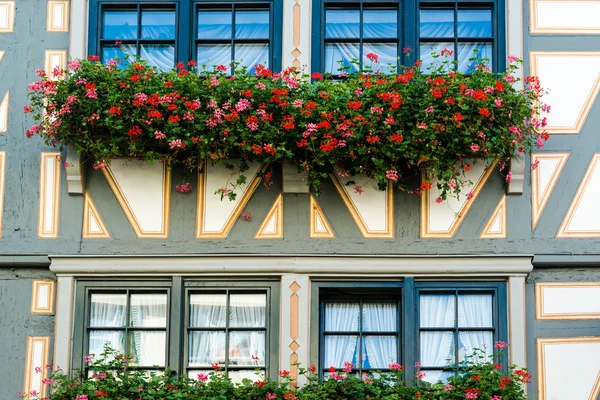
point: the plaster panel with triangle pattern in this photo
(93, 224)
(272, 226)
(496, 227)
(319, 225)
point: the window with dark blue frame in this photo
(163, 33)
(347, 30)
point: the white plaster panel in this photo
(319, 226)
(4, 113)
(569, 15)
(586, 216)
(496, 226)
(78, 37)
(443, 215)
(94, 225)
(58, 16)
(143, 187)
(7, 16)
(570, 370)
(371, 205)
(567, 97)
(37, 360)
(547, 169)
(562, 300)
(2, 178)
(2, 52)
(49, 198)
(43, 296)
(271, 227)
(216, 211)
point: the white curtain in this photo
(436, 311)
(206, 348)
(475, 311)
(149, 311)
(380, 317)
(107, 310)
(208, 311)
(340, 317)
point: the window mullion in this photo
(176, 322)
(410, 319)
(227, 317)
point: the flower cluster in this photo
(387, 126)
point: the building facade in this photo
(89, 256)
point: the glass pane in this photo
(206, 348)
(244, 345)
(161, 56)
(433, 376)
(338, 55)
(475, 311)
(239, 376)
(469, 341)
(98, 339)
(437, 310)
(214, 24)
(471, 54)
(120, 25)
(208, 310)
(436, 23)
(341, 317)
(158, 24)
(380, 23)
(213, 55)
(252, 24)
(108, 310)
(380, 351)
(474, 23)
(379, 317)
(431, 54)
(148, 310)
(387, 54)
(123, 58)
(339, 349)
(147, 348)
(342, 23)
(437, 349)
(250, 55)
(247, 310)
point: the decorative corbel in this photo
(517, 168)
(74, 171)
(293, 181)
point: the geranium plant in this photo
(387, 126)
(110, 376)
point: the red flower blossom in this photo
(114, 110)
(484, 111)
(354, 105)
(192, 63)
(373, 57)
(221, 68)
(93, 58)
(317, 76)
(397, 138)
(135, 131)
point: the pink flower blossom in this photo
(243, 104)
(422, 125)
(470, 195)
(184, 188)
(509, 79)
(159, 135)
(298, 103)
(358, 91)
(512, 58)
(245, 215)
(418, 364)
(358, 189)
(271, 396)
(74, 64)
(474, 147)
(540, 142)
(535, 165)
(508, 177)
(498, 103)
(261, 86)
(337, 376)
(471, 395)
(202, 377)
(395, 367)
(439, 200)
(88, 358)
(429, 109)
(421, 375)
(500, 345)
(392, 175)
(176, 144)
(348, 366)
(377, 110)
(495, 397)
(46, 381)
(91, 93)
(448, 388)
(81, 397)
(514, 129)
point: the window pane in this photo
(475, 311)
(437, 23)
(207, 310)
(338, 55)
(342, 23)
(247, 310)
(474, 23)
(471, 54)
(98, 339)
(148, 310)
(206, 348)
(158, 25)
(250, 55)
(427, 51)
(433, 376)
(339, 349)
(244, 345)
(386, 52)
(252, 24)
(108, 310)
(147, 348)
(161, 56)
(341, 317)
(380, 23)
(111, 52)
(239, 376)
(437, 349)
(214, 24)
(469, 341)
(379, 317)
(380, 351)
(213, 55)
(437, 310)
(120, 25)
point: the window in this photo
(185, 325)
(375, 324)
(349, 30)
(167, 32)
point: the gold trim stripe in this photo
(499, 212)
(166, 181)
(2, 178)
(43, 212)
(8, 25)
(458, 219)
(35, 294)
(294, 331)
(357, 217)
(562, 231)
(541, 361)
(30, 364)
(316, 212)
(539, 301)
(276, 212)
(89, 211)
(538, 198)
(568, 30)
(51, 12)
